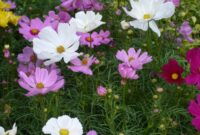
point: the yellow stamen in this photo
(89, 39)
(130, 59)
(40, 85)
(147, 16)
(34, 31)
(85, 61)
(64, 132)
(175, 76)
(60, 49)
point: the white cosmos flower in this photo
(87, 21)
(63, 125)
(146, 12)
(12, 131)
(52, 46)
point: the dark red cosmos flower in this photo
(172, 72)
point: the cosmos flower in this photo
(186, 30)
(71, 5)
(26, 56)
(13, 131)
(175, 2)
(194, 110)
(172, 72)
(146, 12)
(87, 21)
(54, 46)
(92, 132)
(63, 125)
(41, 81)
(91, 40)
(82, 65)
(105, 37)
(31, 30)
(102, 91)
(192, 57)
(55, 19)
(134, 58)
(127, 72)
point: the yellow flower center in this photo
(35, 31)
(40, 85)
(130, 59)
(85, 61)
(64, 132)
(175, 76)
(146, 16)
(60, 49)
(89, 39)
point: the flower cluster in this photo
(133, 60)
(35, 77)
(7, 16)
(71, 5)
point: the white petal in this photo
(2, 131)
(42, 45)
(165, 10)
(154, 27)
(67, 33)
(64, 122)
(74, 47)
(51, 127)
(143, 25)
(50, 35)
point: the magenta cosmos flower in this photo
(83, 65)
(186, 31)
(172, 72)
(102, 91)
(41, 82)
(192, 57)
(194, 109)
(134, 58)
(31, 30)
(55, 19)
(91, 40)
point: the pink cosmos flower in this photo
(91, 40)
(55, 19)
(192, 57)
(24, 20)
(70, 5)
(30, 31)
(92, 132)
(41, 82)
(102, 91)
(27, 55)
(186, 30)
(194, 109)
(104, 35)
(127, 72)
(175, 2)
(83, 65)
(12, 4)
(134, 58)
